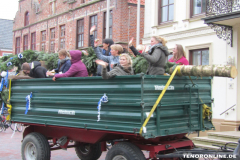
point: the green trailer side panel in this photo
(72, 102)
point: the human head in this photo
(107, 43)
(62, 54)
(125, 60)
(26, 68)
(178, 52)
(116, 49)
(158, 39)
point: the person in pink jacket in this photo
(179, 56)
(77, 69)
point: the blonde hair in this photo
(63, 52)
(180, 52)
(140, 47)
(160, 40)
(129, 59)
(117, 47)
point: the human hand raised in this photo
(130, 42)
(93, 28)
(96, 42)
(102, 63)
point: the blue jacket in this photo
(65, 67)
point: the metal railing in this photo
(228, 109)
(218, 7)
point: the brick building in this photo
(51, 25)
(6, 41)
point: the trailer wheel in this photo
(35, 147)
(86, 151)
(125, 151)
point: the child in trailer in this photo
(64, 63)
(124, 68)
(179, 56)
(77, 69)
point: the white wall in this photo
(192, 33)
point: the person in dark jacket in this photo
(124, 68)
(34, 69)
(105, 50)
(77, 69)
(64, 63)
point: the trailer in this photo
(87, 112)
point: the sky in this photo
(8, 9)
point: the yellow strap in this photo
(10, 82)
(159, 98)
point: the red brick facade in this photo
(55, 13)
(5, 52)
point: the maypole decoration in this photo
(28, 104)
(206, 71)
(103, 99)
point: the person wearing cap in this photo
(105, 50)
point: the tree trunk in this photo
(207, 70)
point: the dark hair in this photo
(108, 41)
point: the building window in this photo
(110, 24)
(93, 21)
(25, 42)
(52, 40)
(53, 7)
(33, 41)
(26, 22)
(62, 37)
(199, 57)
(166, 10)
(197, 7)
(80, 33)
(43, 40)
(17, 46)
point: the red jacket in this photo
(77, 69)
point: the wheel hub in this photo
(119, 157)
(30, 151)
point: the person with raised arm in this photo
(105, 50)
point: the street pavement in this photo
(10, 148)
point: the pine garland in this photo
(90, 61)
(140, 64)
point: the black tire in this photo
(126, 151)
(35, 147)
(86, 151)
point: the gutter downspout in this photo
(138, 22)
